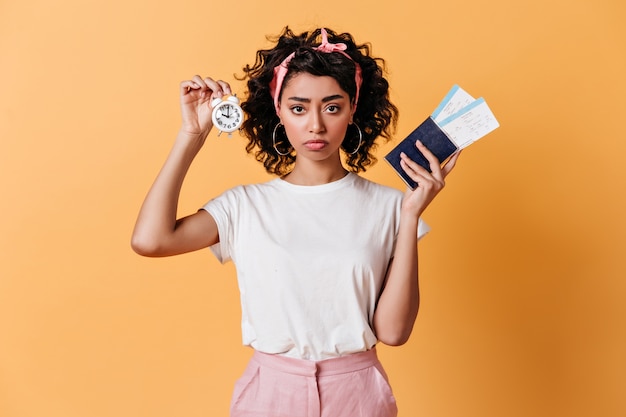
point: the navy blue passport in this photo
(432, 137)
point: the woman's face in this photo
(315, 112)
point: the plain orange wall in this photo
(523, 277)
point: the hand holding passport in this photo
(456, 123)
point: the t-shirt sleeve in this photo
(223, 210)
(422, 228)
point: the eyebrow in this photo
(324, 100)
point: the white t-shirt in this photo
(310, 261)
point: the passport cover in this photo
(432, 137)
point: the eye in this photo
(333, 108)
(297, 109)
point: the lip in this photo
(315, 144)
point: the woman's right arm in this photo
(158, 231)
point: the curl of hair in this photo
(375, 114)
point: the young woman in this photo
(326, 260)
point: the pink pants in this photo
(349, 386)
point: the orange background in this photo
(523, 275)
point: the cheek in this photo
(339, 129)
(293, 127)
(289, 130)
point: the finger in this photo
(414, 170)
(450, 164)
(195, 84)
(224, 86)
(433, 162)
(188, 85)
(412, 165)
(218, 88)
(200, 82)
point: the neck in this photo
(315, 173)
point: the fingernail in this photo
(419, 142)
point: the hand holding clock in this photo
(196, 96)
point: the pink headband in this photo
(281, 70)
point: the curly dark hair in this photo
(375, 114)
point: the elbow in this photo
(395, 330)
(394, 339)
(394, 335)
(144, 246)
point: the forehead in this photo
(311, 86)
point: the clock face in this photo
(227, 117)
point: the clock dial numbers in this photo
(227, 115)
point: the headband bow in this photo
(280, 71)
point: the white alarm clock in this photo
(227, 114)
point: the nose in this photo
(316, 122)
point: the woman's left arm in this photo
(399, 300)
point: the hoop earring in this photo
(360, 140)
(274, 141)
